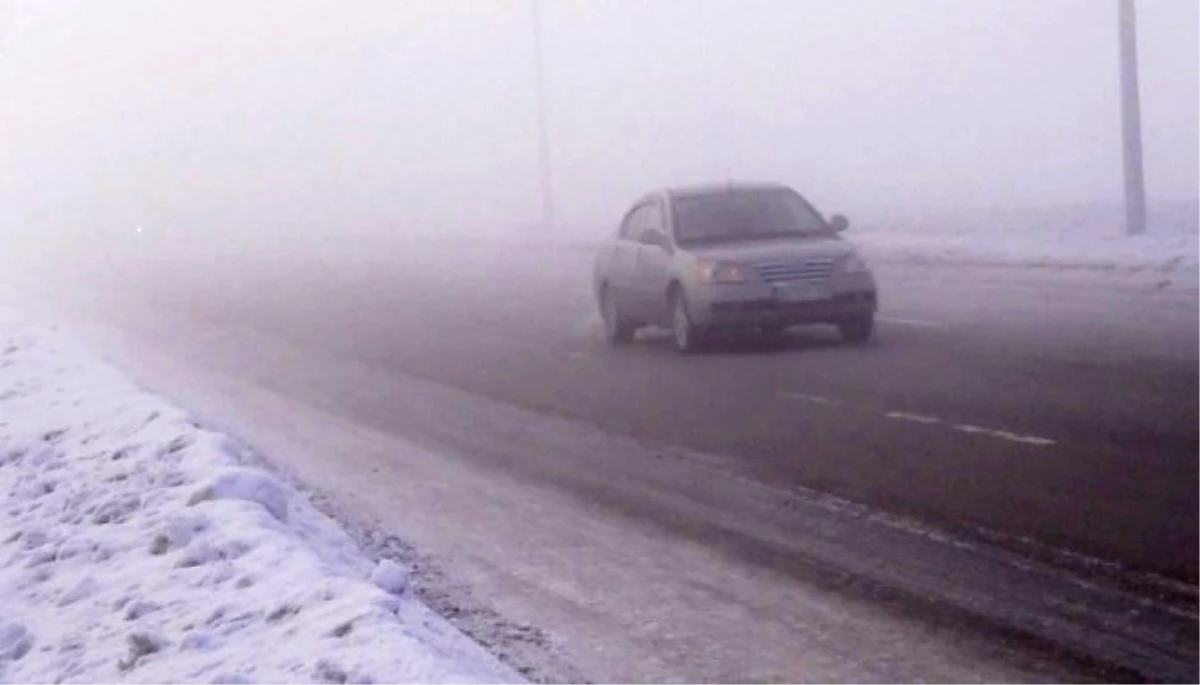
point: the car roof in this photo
(719, 188)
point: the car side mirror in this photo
(839, 223)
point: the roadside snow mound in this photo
(135, 547)
(390, 577)
(1090, 237)
(249, 486)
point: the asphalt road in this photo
(1061, 407)
(1050, 413)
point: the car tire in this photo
(857, 330)
(617, 329)
(688, 338)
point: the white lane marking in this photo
(926, 420)
(910, 322)
(916, 418)
(576, 355)
(1004, 435)
(815, 399)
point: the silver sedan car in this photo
(755, 258)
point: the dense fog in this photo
(193, 123)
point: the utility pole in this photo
(545, 172)
(1131, 121)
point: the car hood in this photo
(786, 249)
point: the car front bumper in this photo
(757, 306)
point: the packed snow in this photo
(136, 546)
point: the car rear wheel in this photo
(617, 329)
(688, 338)
(859, 329)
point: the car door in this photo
(652, 271)
(622, 262)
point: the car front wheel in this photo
(617, 329)
(688, 338)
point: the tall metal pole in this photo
(1131, 121)
(547, 180)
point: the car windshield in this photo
(745, 215)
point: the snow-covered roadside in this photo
(1172, 254)
(138, 546)
(1058, 237)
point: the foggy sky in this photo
(276, 116)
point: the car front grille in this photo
(806, 271)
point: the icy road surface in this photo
(1001, 488)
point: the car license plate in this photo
(801, 292)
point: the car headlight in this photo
(854, 264)
(720, 272)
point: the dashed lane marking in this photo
(815, 399)
(915, 418)
(1004, 435)
(927, 420)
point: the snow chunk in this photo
(83, 589)
(117, 509)
(197, 554)
(328, 671)
(142, 644)
(15, 641)
(390, 577)
(248, 485)
(201, 640)
(139, 608)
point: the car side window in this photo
(635, 223)
(629, 227)
(652, 226)
(652, 222)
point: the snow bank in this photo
(1086, 236)
(137, 547)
